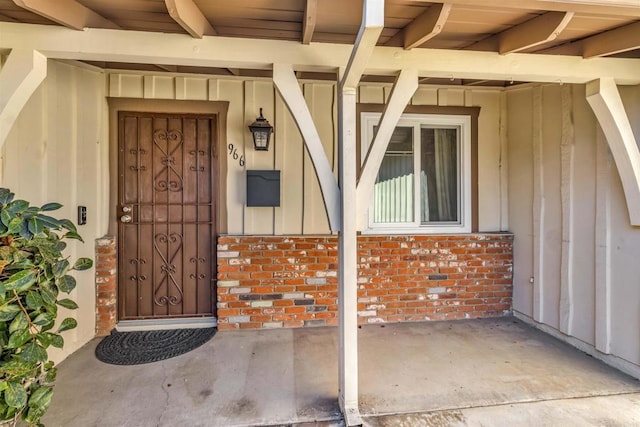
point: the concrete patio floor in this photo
(490, 372)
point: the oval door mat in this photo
(134, 348)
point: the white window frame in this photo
(463, 124)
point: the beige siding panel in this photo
(625, 252)
(371, 94)
(451, 97)
(213, 86)
(488, 159)
(425, 96)
(315, 217)
(625, 271)
(583, 218)
(289, 152)
(191, 88)
(551, 248)
(320, 100)
(520, 195)
(602, 263)
(54, 153)
(159, 87)
(258, 94)
(126, 85)
(232, 91)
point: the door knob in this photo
(126, 218)
(126, 209)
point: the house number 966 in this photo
(233, 152)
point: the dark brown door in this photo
(166, 215)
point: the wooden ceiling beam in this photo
(426, 26)
(189, 16)
(69, 13)
(627, 8)
(309, 23)
(541, 29)
(617, 40)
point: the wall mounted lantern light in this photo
(261, 130)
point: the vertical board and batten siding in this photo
(575, 254)
(302, 209)
(56, 151)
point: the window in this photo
(424, 181)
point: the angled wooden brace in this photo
(287, 85)
(21, 75)
(403, 89)
(605, 101)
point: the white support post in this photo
(21, 75)
(403, 89)
(370, 29)
(605, 101)
(287, 85)
(347, 259)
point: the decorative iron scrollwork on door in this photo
(137, 262)
(167, 246)
(197, 274)
(168, 178)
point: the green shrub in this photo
(33, 274)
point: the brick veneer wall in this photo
(105, 285)
(274, 282)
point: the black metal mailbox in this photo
(263, 188)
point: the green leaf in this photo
(47, 327)
(68, 225)
(17, 206)
(34, 300)
(22, 280)
(56, 340)
(33, 353)
(67, 303)
(19, 322)
(41, 397)
(24, 231)
(66, 283)
(19, 338)
(5, 217)
(15, 225)
(51, 206)
(8, 312)
(83, 264)
(15, 395)
(35, 225)
(16, 368)
(50, 377)
(6, 196)
(44, 339)
(49, 221)
(3, 386)
(73, 235)
(49, 294)
(60, 268)
(68, 323)
(33, 416)
(42, 319)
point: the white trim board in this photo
(160, 324)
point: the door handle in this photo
(126, 218)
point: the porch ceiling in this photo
(568, 27)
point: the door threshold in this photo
(159, 324)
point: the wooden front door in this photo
(166, 215)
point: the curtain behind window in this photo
(439, 175)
